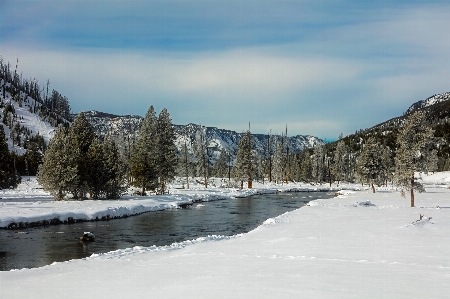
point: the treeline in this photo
(51, 106)
(373, 162)
(8, 174)
(79, 165)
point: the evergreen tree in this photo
(33, 157)
(317, 163)
(370, 163)
(184, 162)
(414, 153)
(143, 158)
(166, 159)
(97, 170)
(339, 168)
(277, 169)
(269, 159)
(201, 154)
(58, 174)
(81, 134)
(8, 176)
(244, 161)
(296, 167)
(388, 162)
(306, 168)
(115, 170)
(221, 165)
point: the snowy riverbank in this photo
(344, 247)
(29, 205)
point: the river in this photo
(40, 246)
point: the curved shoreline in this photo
(30, 207)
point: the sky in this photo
(321, 67)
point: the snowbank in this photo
(29, 205)
(332, 248)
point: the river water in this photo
(40, 246)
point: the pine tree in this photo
(166, 159)
(184, 162)
(388, 162)
(306, 168)
(58, 174)
(33, 157)
(115, 170)
(277, 169)
(339, 168)
(414, 153)
(97, 170)
(221, 165)
(295, 167)
(8, 176)
(370, 166)
(269, 156)
(201, 154)
(317, 163)
(81, 134)
(244, 161)
(143, 158)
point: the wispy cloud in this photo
(322, 67)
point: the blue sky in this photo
(321, 67)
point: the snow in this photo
(28, 120)
(29, 204)
(331, 248)
(437, 98)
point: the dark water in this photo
(36, 247)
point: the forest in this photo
(79, 163)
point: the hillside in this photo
(29, 116)
(437, 110)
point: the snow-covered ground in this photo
(357, 245)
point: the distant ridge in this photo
(435, 99)
(125, 130)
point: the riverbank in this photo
(356, 245)
(30, 206)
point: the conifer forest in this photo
(76, 162)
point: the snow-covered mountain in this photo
(435, 99)
(125, 129)
(229, 140)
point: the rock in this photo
(87, 237)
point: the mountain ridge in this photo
(125, 130)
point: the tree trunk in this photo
(186, 164)
(143, 191)
(270, 169)
(204, 171)
(163, 187)
(373, 188)
(412, 191)
(249, 173)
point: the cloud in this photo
(321, 68)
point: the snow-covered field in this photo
(345, 247)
